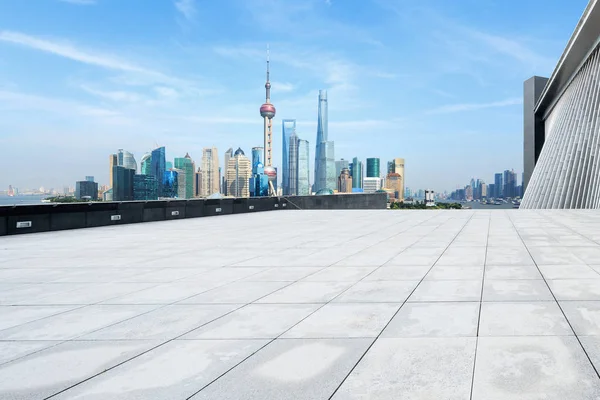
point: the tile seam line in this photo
(557, 302)
(310, 314)
(397, 311)
(487, 241)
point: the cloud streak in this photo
(187, 8)
(455, 108)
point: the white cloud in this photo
(282, 86)
(453, 108)
(80, 2)
(187, 8)
(117, 96)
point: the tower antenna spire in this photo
(268, 84)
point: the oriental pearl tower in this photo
(267, 111)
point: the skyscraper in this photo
(288, 128)
(89, 178)
(126, 159)
(170, 183)
(158, 167)
(399, 169)
(145, 187)
(267, 112)
(112, 162)
(187, 178)
(228, 155)
(357, 173)
(146, 164)
(325, 173)
(257, 157)
(498, 187)
(373, 168)
(198, 183)
(303, 168)
(239, 172)
(210, 171)
(510, 184)
(371, 184)
(292, 166)
(345, 181)
(87, 189)
(340, 165)
(122, 183)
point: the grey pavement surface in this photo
(365, 304)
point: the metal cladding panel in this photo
(567, 173)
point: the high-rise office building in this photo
(371, 184)
(187, 178)
(345, 181)
(228, 155)
(198, 183)
(89, 178)
(292, 166)
(86, 190)
(394, 182)
(210, 171)
(158, 167)
(390, 167)
(170, 183)
(510, 184)
(112, 162)
(303, 168)
(267, 112)
(397, 166)
(259, 182)
(340, 165)
(491, 190)
(146, 164)
(126, 159)
(145, 187)
(122, 183)
(239, 172)
(168, 165)
(373, 168)
(257, 156)
(288, 128)
(357, 173)
(498, 185)
(325, 173)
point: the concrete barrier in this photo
(53, 217)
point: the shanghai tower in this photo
(324, 153)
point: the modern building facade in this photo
(303, 168)
(373, 170)
(325, 172)
(239, 172)
(210, 171)
(561, 135)
(122, 183)
(170, 184)
(158, 167)
(371, 184)
(187, 178)
(292, 166)
(112, 162)
(288, 128)
(345, 181)
(340, 165)
(126, 159)
(86, 190)
(394, 182)
(357, 173)
(146, 164)
(145, 187)
(228, 155)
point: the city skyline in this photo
(98, 94)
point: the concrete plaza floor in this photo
(461, 304)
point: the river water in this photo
(21, 200)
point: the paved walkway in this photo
(308, 305)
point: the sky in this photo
(436, 82)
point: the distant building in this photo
(394, 182)
(146, 164)
(325, 171)
(198, 183)
(292, 166)
(126, 159)
(340, 165)
(483, 191)
(210, 171)
(371, 184)
(429, 198)
(469, 192)
(170, 184)
(239, 172)
(499, 192)
(397, 166)
(510, 184)
(373, 168)
(145, 187)
(89, 178)
(345, 181)
(303, 168)
(122, 183)
(228, 155)
(86, 190)
(288, 128)
(112, 162)
(186, 178)
(357, 173)
(158, 167)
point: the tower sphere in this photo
(267, 110)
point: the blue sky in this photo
(437, 82)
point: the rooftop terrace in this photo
(306, 305)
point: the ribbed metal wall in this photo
(567, 173)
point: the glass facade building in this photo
(86, 190)
(340, 165)
(292, 168)
(146, 164)
(187, 178)
(170, 184)
(303, 168)
(158, 167)
(373, 170)
(126, 159)
(288, 128)
(357, 173)
(322, 149)
(122, 183)
(145, 187)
